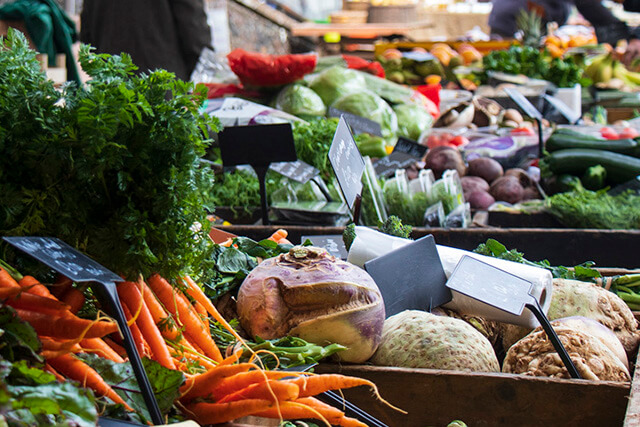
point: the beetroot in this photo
(522, 175)
(473, 183)
(507, 189)
(480, 200)
(486, 168)
(442, 158)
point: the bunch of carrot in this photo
(170, 324)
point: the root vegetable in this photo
(480, 200)
(507, 189)
(473, 183)
(522, 175)
(485, 168)
(442, 158)
(311, 294)
(417, 339)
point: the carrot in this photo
(279, 235)
(298, 410)
(215, 413)
(61, 286)
(242, 380)
(194, 291)
(77, 370)
(68, 326)
(268, 390)
(316, 384)
(201, 385)
(6, 281)
(33, 286)
(101, 348)
(130, 295)
(141, 345)
(51, 344)
(160, 316)
(55, 373)
(202, 313)
(75, 298)
(115, 346)
(19, 298)
(232, 359)
(178, 305)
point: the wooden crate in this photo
(435, 397)
(561, 246)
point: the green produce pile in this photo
(112, 168)
(596, 209)
(531, 62)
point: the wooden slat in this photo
(308, 29)
(434, 397)
(632, 417)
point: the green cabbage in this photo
(300, 101)
(336, 82)
(413, 120)
(369, 105)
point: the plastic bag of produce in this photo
(413, 120)
(257, 69)
(240, 112)
(300, 101)
(368, 104)
(336, 82)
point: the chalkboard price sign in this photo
(523, 103)
(412, 148)
(298, 171)
(347, 163)
(333, 244)
(357, 123)
(387, 166)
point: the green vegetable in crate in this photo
(336, 82)
(564, 140)
(371, 145)
(368, 104)
(594, 178)
(300, 101)
(620, 168)
(413, 120)
(589, 209)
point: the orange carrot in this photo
(61, 286)
(69, 326)
(35, 287)
(131, 297)
(316, 384)
(100, 347)
(279, 235)
(6, 281)
(78, 370)
(178, 305)
(19, 298)
(202, 313)
(160, 316)
(215, 413)
(268, 390)
(141, 345)
(232, 359)
(55, 373)
(194, 291)
(201, 385)
(298, 409)
(242, 380)
(115, 346)
(75, 298)
(56, 345)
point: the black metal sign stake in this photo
(557, 344)
(530, 111)
(78, 267)
(540, 138)
(261, 171)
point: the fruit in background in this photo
(392, 54)
(555, 51)
(469, 53)
(419, 50)
(629, 133)
(609, 133)
(600, 70)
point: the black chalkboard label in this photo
(489, 285)
(64, 259)
(558, 104)
(333, 244)
(412, 148)
(257, 145)
(523, 103)
(298, 171)
(357, 123)
(347, 163)
(411, 277)
(386, 166)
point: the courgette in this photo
(564, 141)
(620, 168)
(574, 133)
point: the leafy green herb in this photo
(495, 249)
(589, 209)
(313, 140)
(394, 227)
(112, 168)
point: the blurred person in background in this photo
(167, 34)
(609, 29)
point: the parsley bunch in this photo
(113, 168)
